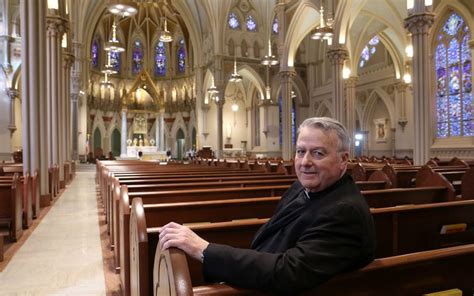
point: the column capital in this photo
(337, 54)
(12, 93)
(419, 23)
(401, 86)
(351, 82)
(55, 25)
(68, 59)
(287, 74)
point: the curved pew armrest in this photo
(171, 273)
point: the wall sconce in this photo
(409, 50)
(402, 122)
(407, 75)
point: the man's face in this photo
(318, 162)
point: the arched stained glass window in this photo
(137, 57)
(275, 25)
(115, 60)
(369, 50)
(453, 79)
(181, 57)
(233, 21)
(251, 24)
(160, 59)
(95, 53)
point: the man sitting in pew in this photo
(322, 225)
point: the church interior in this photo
(184, 80)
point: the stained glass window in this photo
(275, 25)
(453, 79)
(181, 57)
(137, 57)
(160, 59)
(95, 54)
(234, 22)
(293, 120)
(369, 50)
(251, 24)
(115, 60)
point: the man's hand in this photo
(179, 236)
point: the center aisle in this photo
(63, 255)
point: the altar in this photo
(147, 153)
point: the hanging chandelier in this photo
(106, 82)
(235, 77)
(165, 35)
(122, 8)
(324, 31)
(113, 44)
(270, 59)
(109, 69)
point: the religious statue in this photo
(140, 142)
(135, 141)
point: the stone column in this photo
(162, 129)
(34, 114)
(337, 54)
(123, 134)
(351, 84)
(74, 126)
(285, 92)
(68, 61)
(54, 33)
(419, 25)
(220, 122)
(12, 94)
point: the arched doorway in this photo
(180, 144)
(116, 142)
(97, 143)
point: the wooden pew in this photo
(167, 271)
(411, 274)
(123, 219)
(11, 204)
(146, 216)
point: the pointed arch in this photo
(374, 96)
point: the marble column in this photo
(12, 94)
(285, 92)
(336, 55)
(419, 25)
(123, 134)
(351, 84)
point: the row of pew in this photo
(235, 200)
(20, 201)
